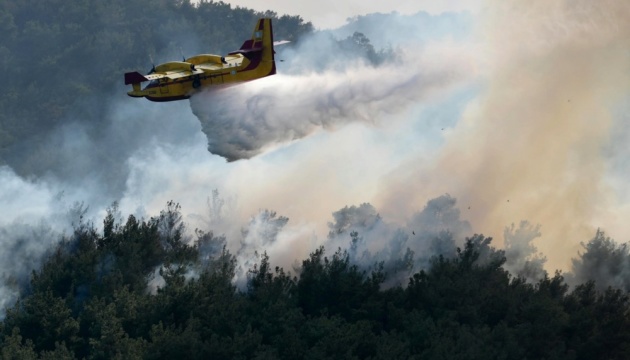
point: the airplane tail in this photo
(260, 47)
(268, 55)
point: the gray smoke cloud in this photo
(37, 215)
(437, 230)
(604, 261)
(522, 256)
(399, 30)
(24, 245)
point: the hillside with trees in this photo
(140, 289)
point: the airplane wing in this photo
(208, 67)
(173, 75)
(136, 78)
(154, 76)
(180, 74)
(213, 63)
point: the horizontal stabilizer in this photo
(134, 78)
(280, 42)
(249, 46)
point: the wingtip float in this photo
(178, 80)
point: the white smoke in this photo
(436, 230)
(522, 257)
(243, 121)
(34, 217)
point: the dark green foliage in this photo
(93, 299)
(335, 286)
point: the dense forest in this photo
(140, 289)
(136, 288)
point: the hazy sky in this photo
(333, 13)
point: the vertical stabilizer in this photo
(267, 43)
(261, 45)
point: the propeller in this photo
(152, 65)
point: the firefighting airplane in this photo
(178, 80)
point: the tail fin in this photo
(268, 53)
(261, 40)
(265, 26)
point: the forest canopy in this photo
(141, 289)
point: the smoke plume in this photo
(243, 121)
(522, 257)
(36, 216)
(532, 144)
(437, 230)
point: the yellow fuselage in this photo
(178, 80)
